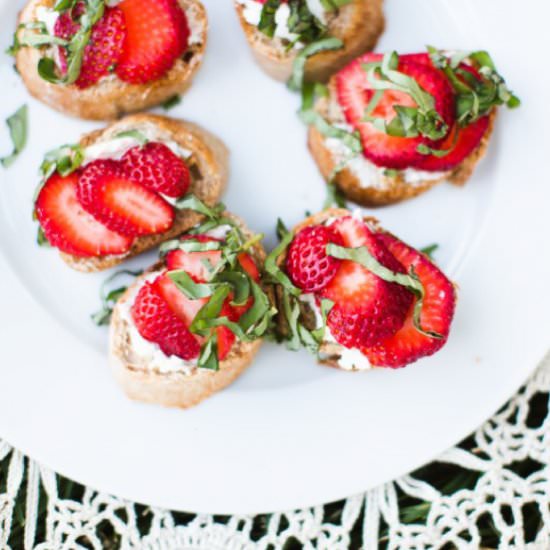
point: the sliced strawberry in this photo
(307, 264)
(157, 35)
(69, 227)
(408, 344)
(367, 308)
(104, 48)
(120, 204)
(156, 322)
(156, 167)
(249, 265)
(196, 264)
(225, 336)
(354, 93)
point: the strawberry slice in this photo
(367, 308)
(249, 265)
(307, 264)
(156, 167)
(461, 141)
(104, 48)
(408, 344)
(68, 227)
(120, 204)
(157, 34)
(354, 92)
(156, 322)
(196, 264)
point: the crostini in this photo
(127, 188)
(357, 296)
(191, 324)
(278, 30)
(390, 127)
(99, 59)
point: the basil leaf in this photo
(110, 297)
(319, 333)
(429, 250)
(18, 127)
(190, 288)
(64, 5)
(240, 283)
(335, 197)
(208, 358)
(192, 202)
(303, 23)
(171, 102)
(275, 271)
(267, 23)
(297, 79)
(210, 310)
(261, 308)
(41, 239)
(280, 229)
(351, 140)
(333, 5)
(134, 134)
(410, 281)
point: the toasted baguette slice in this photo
(209, 163)
(371, 186)
(358, 24)
(176, 389)
(111, 97)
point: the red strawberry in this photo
(69, 227)
(120, 204)
(156, 322)
(156, 167)
(408, 344)
(186, 310)
(157, 35)
(194, 263)
(367, 308)
(307, 263)
(355, 92)
(104, 48)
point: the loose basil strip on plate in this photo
(410, 281)
(18, 127)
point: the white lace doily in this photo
(501, 481)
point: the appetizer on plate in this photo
(127, 188)
(99, 59)
(278, 30)
(191, 324)
(357, 296)
(390, 127)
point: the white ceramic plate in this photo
(288, 433)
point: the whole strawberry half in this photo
(71, 229)
(408, 344)
(461, 141)
(104, 49)
(156, 322)
(366, 308)
(156, 167)
(355, 91)
(119, 203)
(307, 263)
(157, 35)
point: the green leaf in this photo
(192, 202)
(410, 281)
(319, 333)
(260, 311)
(18, 127)
(333, 5)
(41, 239)
(429, 250)
(210, 310)
(64, 5)
(280, 229)
(171, 102)
(297, 79)
(110, 297)
(303, 23)
(190, 288)
(208, 358)
(350, 140)
(267, 23)
(335, 197)
(275, 271)
(240, 283)
(134, 134)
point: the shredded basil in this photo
(335, 197)
(429, 250)
(18, 127)
(134, 134)
(171, 102)
(267, 23)
(110, 297)
(41, 239)
(33, 35)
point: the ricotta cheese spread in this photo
(150, 353)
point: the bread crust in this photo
(358, 24)
(176, 389)
(211, 157)
(395, 188)
(111, 97)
